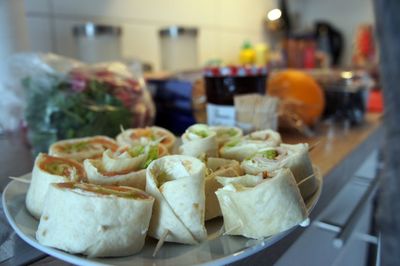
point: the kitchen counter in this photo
(337, 152)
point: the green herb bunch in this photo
(79, 104)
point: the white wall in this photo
(223, 24)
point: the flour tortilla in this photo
(96, 175)
(177, 184)
(261, 208)
(215, 163)
(122, 161)
(269, 136)
(41, 179)
(295, 157)
(199, 141)
(85, 148)
(94, 224)
(243, 148)
(217, 167)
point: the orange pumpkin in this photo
(299, 92)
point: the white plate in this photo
(217, 250)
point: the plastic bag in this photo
(65, 98)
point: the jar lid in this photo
(91, 30)
(235, 71)
(175, 31)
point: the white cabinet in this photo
(316, 245)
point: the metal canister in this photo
(97, 43)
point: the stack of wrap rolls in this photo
(219, 172)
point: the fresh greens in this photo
(270, 154)
(232, 143)
(57, 169)
(152, 154)
(76, 147)
(57, 110)
(201, 133)
(231, 132)
(136, 151)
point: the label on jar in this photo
(220, 115)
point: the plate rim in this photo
(229, 258)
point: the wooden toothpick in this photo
(20, 179)
(160, 242)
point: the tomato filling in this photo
(86, 145)
(60, 166)
(106, 190)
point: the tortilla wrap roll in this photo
(225, 134)
(295, 157)
(243, 148)
(125, 167)
(46, 170)
(270, 136)
(199, 141)
(256, 208)
(217, 167)
(177, 184)
(98, 221)
(147, 135)
(80, 149)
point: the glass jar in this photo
(97, 43)
(223, 83)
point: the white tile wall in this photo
(192, 12)
(209, 44)
(223, 24)
(141, 41)
(39, 34)
(37, 6)
(244, 15)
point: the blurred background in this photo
(223, 25)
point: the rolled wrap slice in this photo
(295, 157)
(270, 136)
(243, 148)
(199, 141)
(256, 208)
(177, 184)
(225, 134)
(98, 221)
(147, 135)
(46, 170)
(125, 167)
(80, 149)
(217, 167)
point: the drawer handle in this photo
(344, 232)
(348, 228)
